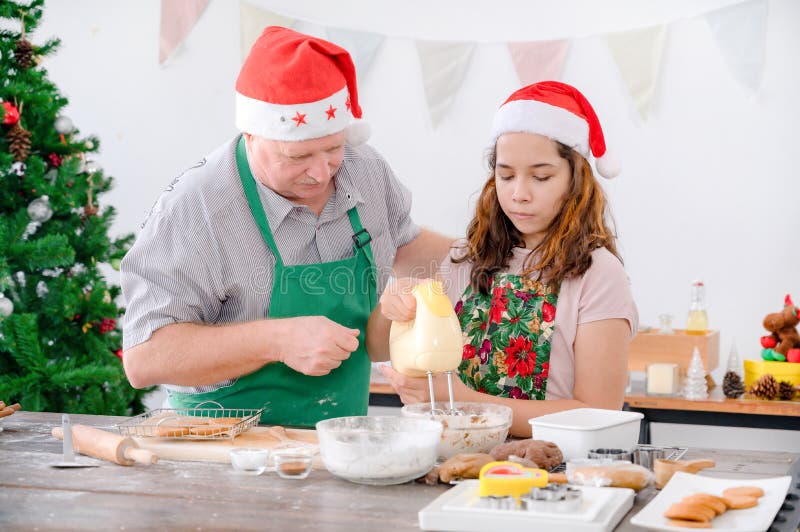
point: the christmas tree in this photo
(59, 340)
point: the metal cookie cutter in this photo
(554, 498)
(612, 454)
(499, 502)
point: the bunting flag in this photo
(741, 34)
(638, 57)
(252, 21)
(444, 65)
(178, 17)
(362, 46)
(538, 61)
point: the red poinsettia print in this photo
(545, 370)
(548, 312)
(469, 352)
(499, 305)
(519, 358)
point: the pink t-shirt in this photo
(602, 293)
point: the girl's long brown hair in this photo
(578, 229)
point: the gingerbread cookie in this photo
(750, 491)
(689, 524)
(717, 504)
(739, 502)
(688, 511)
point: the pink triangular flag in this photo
(178, 17)
(538, 60)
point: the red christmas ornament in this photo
(55, 160)
(107, 325)
(12, 114)
(118, 352)
(793, 355)
(768, 341)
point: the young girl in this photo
(544, 303)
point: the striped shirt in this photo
(200, 257)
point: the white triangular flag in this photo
(253, 20)
(362, 46)
(539, 60)
(741, 33)
(638, 56)
(443, 67)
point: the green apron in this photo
(344, 291)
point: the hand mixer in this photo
(431, 342)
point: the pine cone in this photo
(24, 53)
(786, 391)
(19, 142)
(765, 387)
(732, 385)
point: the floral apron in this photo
(507, 335)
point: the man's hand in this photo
(315, 345)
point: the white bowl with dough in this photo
(378, 450)
(479, 427)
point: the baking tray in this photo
(191, 423)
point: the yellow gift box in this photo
(782, 371)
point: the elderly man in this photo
(252, 279)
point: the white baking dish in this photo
(581, 429)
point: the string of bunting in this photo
(739, 30)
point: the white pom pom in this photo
(608, 166)
(358, 132)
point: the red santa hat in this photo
(560, 112)
(297, 87)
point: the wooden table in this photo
(200, 495)
(717, 410)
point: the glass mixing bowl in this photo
(378, 450)
(477, 429)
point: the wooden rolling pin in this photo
(107, 446)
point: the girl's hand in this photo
(398, 302)
(415, 389)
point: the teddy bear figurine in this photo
(784, 338)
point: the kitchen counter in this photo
(204, 495)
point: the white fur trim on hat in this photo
(294, 122)
(608, 166)
(531, 116)
(358, 132)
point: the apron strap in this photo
(251, 192)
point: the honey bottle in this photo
(697, 321)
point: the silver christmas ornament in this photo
(64, 125)
(91, 167)
(89, 145)
(30, 229)
(41, 289)
(20, 279)
(18, 168)
(6, 306)
(39, 209)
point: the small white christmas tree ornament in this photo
(734, 363)
(695, 386)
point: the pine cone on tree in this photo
(19, 142)
(765, 387)
(732, 385)
(24, 53)
(786, 391)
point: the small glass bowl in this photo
(292, 464)
(249, 461)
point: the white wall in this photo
(710, 187)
